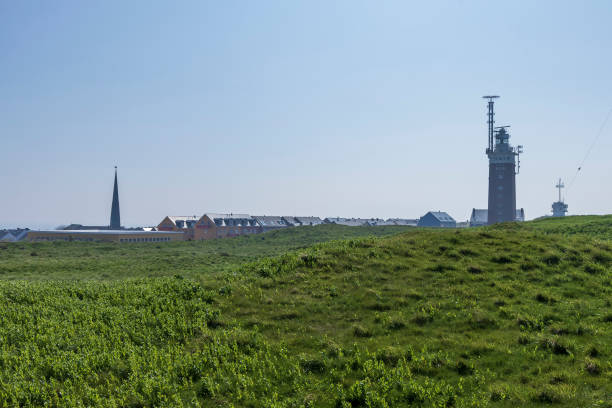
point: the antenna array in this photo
(491, 119)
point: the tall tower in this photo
(504, 163)
(559, 208)
(115, 218)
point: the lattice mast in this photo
(490, 119)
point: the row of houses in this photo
(360, 222)
(214, 225)
(436, 219)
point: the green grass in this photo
(592, 225)
(512, 315)
(86, 260)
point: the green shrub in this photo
(396, 325)
(543, 298)
(594, 269)
(551, 259)
(422, 319)
(592, 367)
(547, 395)
(313, 365)
(555, 345)
(524, 340)
(360, 331)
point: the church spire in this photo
(115, 218)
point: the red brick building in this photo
(212, 226)
(182, 223)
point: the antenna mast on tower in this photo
(559, 208)
(560, 185)
(491, 119)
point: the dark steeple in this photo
(115, 219)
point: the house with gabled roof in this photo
(269, 223)
(182, 223)
(302, 221)
(7, 236)
(350, 222)
(379, 222)
(215, 225)
(13, 235)
(404, 221)
(309, 220)
(437, 219)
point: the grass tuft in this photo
(361, 331)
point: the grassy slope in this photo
(85, 260)
(504, 316)
(592, 225)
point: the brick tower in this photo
(504, 163)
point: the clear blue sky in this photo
(347, 108)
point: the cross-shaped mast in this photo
(560, 185)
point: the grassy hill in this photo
(90, 260)
(512, 315)
(592, 225)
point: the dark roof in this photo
(270, 221)
(351, 222)
(233, 220)
(403, 221)
(17, 234)
(441, 216)
(7, 236)
(74, 227)
(309, 220)
(479, 216)
(291, 221)
(382, 222)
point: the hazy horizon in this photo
(350, 109)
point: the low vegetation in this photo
(592, 225)
(506, 316)
(87, 260)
